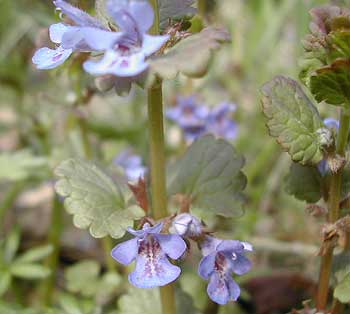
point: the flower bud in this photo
(186, 225)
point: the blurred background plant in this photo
(46, 117)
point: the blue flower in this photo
(221, 259)
(151, 250)
(68, 38)
(125, 56)
(190, 116)
(220, 123)
(132, 165)
(322, 166)
(125, 52)
(196, 120)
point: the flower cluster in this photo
(152, 249)
(196, 120)
(132, 165)
(124, 52)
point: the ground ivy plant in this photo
(318, 148)
(136, 42)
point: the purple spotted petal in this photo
(152, 267)
(231, 246)
(74, 39)
(56, 32)
(46, 58)
(99, 39)
(126, 252)
(146, 230)
(154, 229)
(209, 245)
(171, 244)
(114, 63)
(240, 264)
(131, 16)
(234, 290)
(151, 44)
(217, 289)
(206, 266)
(78, 16)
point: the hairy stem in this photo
(333, 212)
(158, 182)
(157, 159)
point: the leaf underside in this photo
(191, 56)
(304, 183)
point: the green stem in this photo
(333, 212)
(107, 243)
(158, 181)
(202, 8)
(52, 261)
(157, 158)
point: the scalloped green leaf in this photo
(304, 183)
(294, 121)
(332, 84)
(94, 200)
(342, 290)
(190, 56)
(210, 175)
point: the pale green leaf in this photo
(20, 165)
(35, 254)
(11, 245)
(108, 285)
(304, 183)
(341, 266)
(5, 282)
(83, 277)
(294, 121)
(332, 83)
(29, 271)
(190, 56)
(94, 200)
(141, 301)
(210, 174)
(70, 304)
(342, 290)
